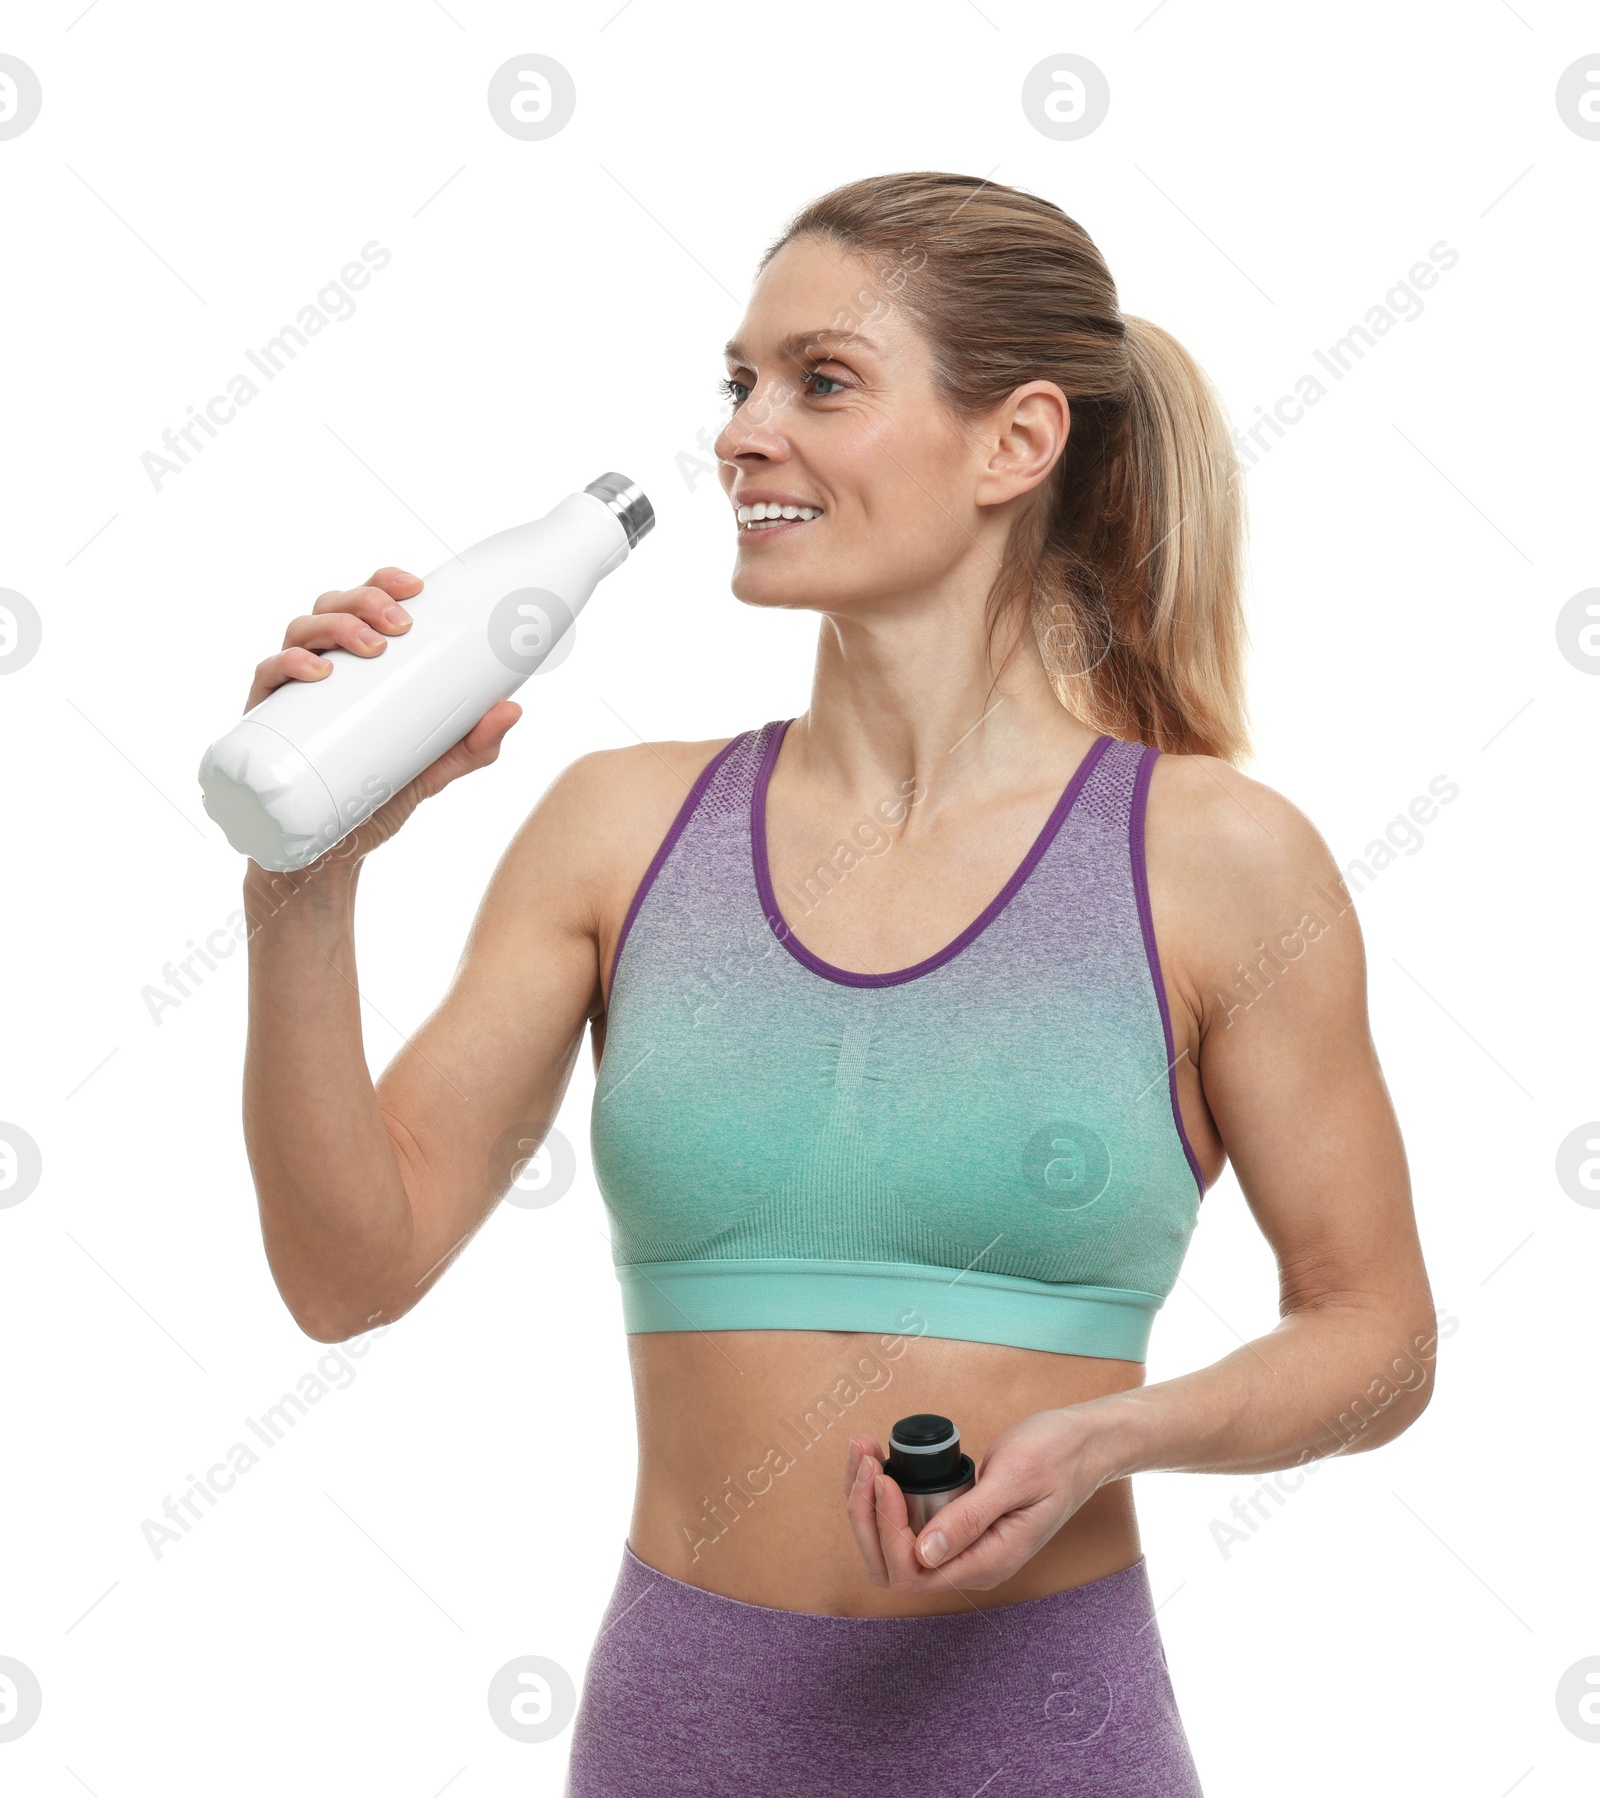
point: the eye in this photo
(736, 392)
(816, 375)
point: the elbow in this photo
(1414, 1368)
(1396, 1396)
(1411, 1406)
(325, 1330)
(329, 1322)
(322, 1326)
(330, 1310)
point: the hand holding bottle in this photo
(330, 740)
(361, 620)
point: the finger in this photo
(393, 581)
(863, 1516)
(896, 1534)
(277, 670)
(859, 1445)
(373, 604)
(338, 630)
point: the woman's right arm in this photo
(366, 1192)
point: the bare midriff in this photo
(743, 1436)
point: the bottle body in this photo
(921, 1506)
(315, 759)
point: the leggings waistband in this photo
(1112, 1599)
(690, 1692)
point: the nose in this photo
(755, 431)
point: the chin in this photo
(772, 587)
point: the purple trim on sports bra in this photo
(679, 823)
(1141, 891)
(844, 976)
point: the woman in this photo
(927, 1018)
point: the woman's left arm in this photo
(1266, 979)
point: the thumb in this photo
(961, 1522)
(489, 732)
(477, 749)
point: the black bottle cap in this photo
(925, 1453)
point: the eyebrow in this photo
(797, 341)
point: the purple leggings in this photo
(693, 1694)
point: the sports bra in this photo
(985, 1145)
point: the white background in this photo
(553, 309)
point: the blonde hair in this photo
(1129, 567)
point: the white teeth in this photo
(765, 511)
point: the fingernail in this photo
(370, 636)
(396, 614)
(934, 1549)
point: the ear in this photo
(1023, 442)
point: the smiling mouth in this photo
(767, 516)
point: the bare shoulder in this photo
(624, 800)
(586, 845)
(1234, 865)
(1235, 833)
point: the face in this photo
(834, 412)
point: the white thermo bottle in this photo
(315, 759)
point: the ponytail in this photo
(1129, 564)
(1148, 556)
